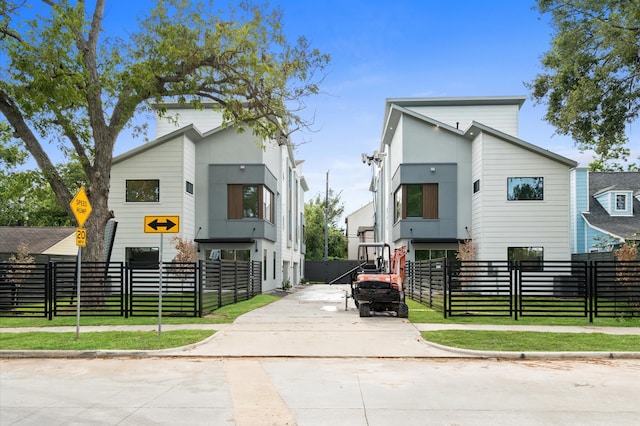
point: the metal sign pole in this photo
(78, 293)
(160, 291)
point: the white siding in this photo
(204, 120)
(165, 163)
(505, 223)
(500, 117)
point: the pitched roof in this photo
(599, 182)
(38, 239)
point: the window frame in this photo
(429, 201)
(510, 188)
(624, 196)
(138, 199)
(236, 202)
(529, 264)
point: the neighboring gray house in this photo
(235, 199)
(605, 209)
(454, 167)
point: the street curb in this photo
(536, 355)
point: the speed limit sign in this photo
(81, 237)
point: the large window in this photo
(217, 254)
(525, 188)
(143, 257)
(531, 257)
(416, 200)
(143, 190)
(250, 201)
(435, 254)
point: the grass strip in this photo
(102, 340)
(224, 315)
(533, 341)
(422, 314)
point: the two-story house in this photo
(236, 197)
(454, 169)
(605, 209)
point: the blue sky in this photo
(395, 49)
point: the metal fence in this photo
(527, 289)
(117, 289)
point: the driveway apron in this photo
(316, 321)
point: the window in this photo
(267, 203)
(397, 202)
(476, 186)
(218, 254)
(143, 191)
(189, 187)
(416, 200)
(143, 257)
(250, 202)
(435, 254)
(621, 202)
(525, 188)
(531, 257)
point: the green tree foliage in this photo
(64, 84)
(27, 198)
(314, 212)
(592, 74)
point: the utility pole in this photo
(326, 220)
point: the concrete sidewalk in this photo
(321, 321)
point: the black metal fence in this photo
(117, 289)
(526, 289)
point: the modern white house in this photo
(235, 196)
(605, 209)
(450, 169)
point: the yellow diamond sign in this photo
(81, 207)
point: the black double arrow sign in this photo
(166, 225)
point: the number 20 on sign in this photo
(81, 237)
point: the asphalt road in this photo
(323, 391)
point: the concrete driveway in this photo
(316, 321)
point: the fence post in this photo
(199, 287)
(446, 277)
(590, 275)
(514, 276)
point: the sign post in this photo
(161, 225)
(81, 208)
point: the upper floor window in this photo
(249, 201)
(621, 202)
(525, 188)
(416, 200)
(188, 187)
(142, 190)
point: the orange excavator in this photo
(377, 285)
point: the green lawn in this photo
(532, 341)
(122, 340)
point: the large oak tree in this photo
(591, 78)
(65, 83)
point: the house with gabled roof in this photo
(454, 168)
(236, 197)
(605, 209)
(44, 243)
